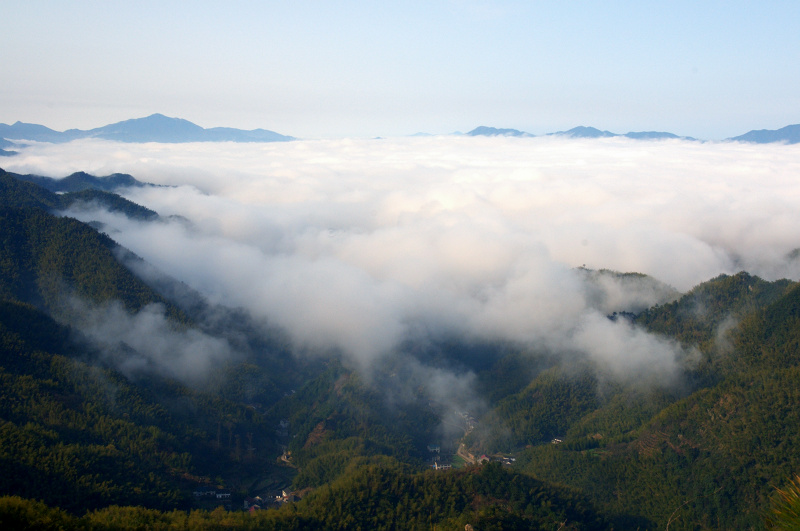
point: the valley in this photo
(522, 438)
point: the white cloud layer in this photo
(355, 244)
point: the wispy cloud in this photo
(146, 342)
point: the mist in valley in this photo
(359, 248)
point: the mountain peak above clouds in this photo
(592, 132)
(153, 128)
(493, 131)
(585, 132)
(654, 135)
(577, 132)
(25, 131)
(164, 129)
(789, 135)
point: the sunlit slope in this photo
(712, 458)
(47, 259)
(712, 307)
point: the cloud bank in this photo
(358, 245)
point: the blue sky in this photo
(331, 69)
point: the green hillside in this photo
(105, 447)
(75, 430)
(376, 495)
(83, 436)
(44, 259)
(711, 459)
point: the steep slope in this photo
(712, 458)
(768, 339)
(45, 193)
(47, 259)
(16, 192)
(713, 306)
(71, 425)
(84, 436)
(336, 418)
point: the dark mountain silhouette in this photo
(44, 193)
(79, 181)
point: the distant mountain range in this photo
(160, 128)
(591, 132)
(493, 131)
(577, 132)
(154, 128)
(789, 134)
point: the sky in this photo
(314, 69)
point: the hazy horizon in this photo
(353, 69)
(418, 133)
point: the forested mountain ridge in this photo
(79, 181)
(73, 426)
(710, 456)
(47, 258)
(720, 302)
(52, 195)
(83, 431)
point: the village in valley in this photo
(270, 493)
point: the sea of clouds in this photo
(356, 245)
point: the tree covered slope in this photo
(109, 447)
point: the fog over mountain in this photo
(358, 245)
